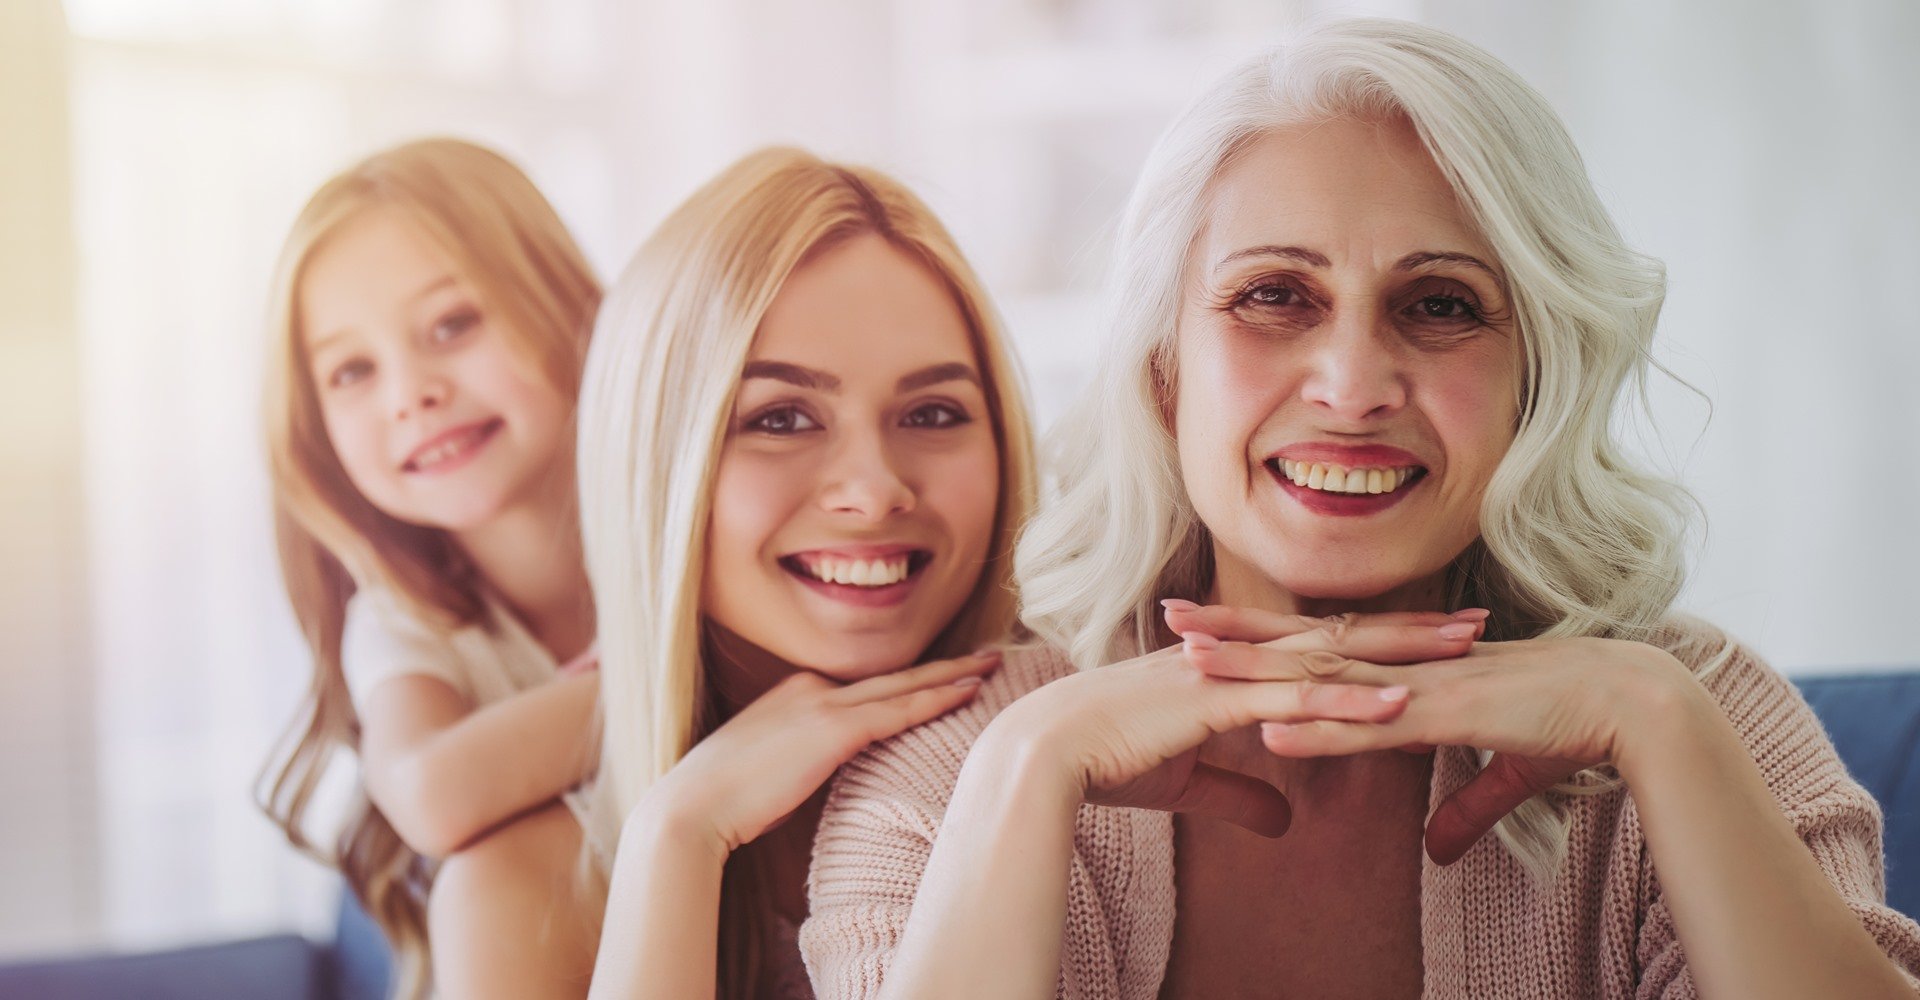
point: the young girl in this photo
(431, 315)
(803, 453)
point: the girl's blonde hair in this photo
(1575, 540)
(513, 252)
(654, 407)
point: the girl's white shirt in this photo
(381, 641)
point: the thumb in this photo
(1244, 801)
(1482, 802)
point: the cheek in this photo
(1475, 413)
(963, 488)
(1231, 388)
(358, 442)
(753, 497)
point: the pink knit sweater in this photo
(1602, 929)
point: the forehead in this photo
(864, 309)
(1359, 192)
(368, 272)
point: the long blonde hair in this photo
(659, 386)
(1575, 539)
(510, 247)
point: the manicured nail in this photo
(1200, 640)
(1457, 630)
(967, 682)
(1176, 604)
(1398, 692)
(1472, 615)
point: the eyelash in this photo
(954, 416)
(1470, 311)
(459, 322)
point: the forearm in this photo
(495, 763)
(1753, 911)
(991, 908)
(660, 937)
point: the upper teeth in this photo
(452, 448)
(1340, 479)
(858, 572)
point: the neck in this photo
(1237, 584)
(531, 559)
(738, 672)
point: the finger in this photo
(1243, 800)
(878, 720)
(1397, 644)
(926, 675)
(1327, 738)
(1258, 625)
(1247, 662)
(1482, 802)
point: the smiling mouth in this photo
(872, 574)
(1325, 477)
(448, 451)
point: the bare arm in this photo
(661, 934)
(1754, 912)
(444, 773)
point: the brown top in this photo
(1486, 930)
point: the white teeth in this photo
(857, 572)
(1340, 479)
(447, 450)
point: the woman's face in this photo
(1347, 367)
(435, 418)
(854, 503)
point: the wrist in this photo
(666, 820)
(1023, 755)
(1667, 711)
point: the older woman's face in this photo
(1347, 371)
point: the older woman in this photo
(1370, 324)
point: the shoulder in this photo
(381, 639)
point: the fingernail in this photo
(1458, 630)
(1176, 604)
(1472, 614)
(985, 652)
(1398, 692)
(1200, 640)
(967, 682)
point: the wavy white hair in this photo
(1575, 540)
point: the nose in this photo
(863, 480)
(1355, 375)
(416, 388)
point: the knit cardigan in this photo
(1602, 929)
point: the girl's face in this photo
(436, 419)
(1347, 368)
(854, 502)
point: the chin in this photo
(853, 658)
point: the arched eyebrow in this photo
(1314, 258)
(781, 371)
(819, 381)
(1422, 258)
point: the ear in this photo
(1162, 375)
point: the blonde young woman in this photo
(1370, 323)
(803, 452)
(430, 320)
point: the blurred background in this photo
(156, 150)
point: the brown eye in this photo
(782, 421)
(1272, 295)
(1446, 308)
(453, 325)
(935, 416)
(349, 373)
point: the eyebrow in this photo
(1313, 258)
(819, 381)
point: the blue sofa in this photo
(1874, 719)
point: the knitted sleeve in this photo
(1835, 817)
(876, 835)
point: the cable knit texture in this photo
(1602, 929)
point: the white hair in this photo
(1574, 539)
